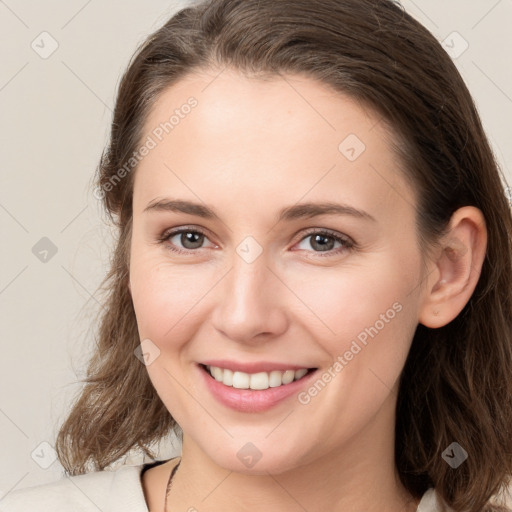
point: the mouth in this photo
(255, 381)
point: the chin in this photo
(248, 460)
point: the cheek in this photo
(376, 328)
(166, 297)
(354, 300)
(371, 317)
(167, 304)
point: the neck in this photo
(358, 476)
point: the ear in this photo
(456, 268)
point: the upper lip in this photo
(254, 367)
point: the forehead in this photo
(295, 105)
(227, 134)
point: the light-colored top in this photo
(108, 491)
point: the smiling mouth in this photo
(255, 381)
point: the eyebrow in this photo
(297, 211)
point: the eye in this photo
(322, 241)
(190, 239)
(325, 240)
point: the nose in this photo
(250, 302)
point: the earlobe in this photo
(457, 268)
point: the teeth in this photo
(288, 376)
(240, 380)
(261, 380)
(216, 373)
(275, 379)
(300, 373)
(227, 377)
(255, 380)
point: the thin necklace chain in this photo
(168, 488)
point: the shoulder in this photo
(111, 491)
(432, 502)
(429, 502)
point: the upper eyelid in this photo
(185, 229)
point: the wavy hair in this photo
(456, 384)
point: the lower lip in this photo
(247, 400)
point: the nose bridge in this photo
(249, 301)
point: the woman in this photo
(312, 278)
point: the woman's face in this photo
(263, 273)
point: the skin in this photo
(248, 149)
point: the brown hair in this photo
(457, 381)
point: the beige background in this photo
(55, 120)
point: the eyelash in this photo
(348, 244)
